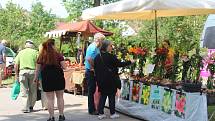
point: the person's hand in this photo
(92, 70)
(17, 77)
(39, 83)
(118, 93)
(67, 69)
(35, 80)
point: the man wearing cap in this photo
(2, 59)
(91, 53)
(25, 63)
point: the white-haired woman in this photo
(106, 71)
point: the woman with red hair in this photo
(51, 64)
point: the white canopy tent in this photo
(146, 9)
(149, 9)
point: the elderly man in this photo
(25, 63)
(91, 53)
(2, 59)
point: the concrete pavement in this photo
(75, 109)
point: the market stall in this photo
(163, 97)
(149, 10)
(75, 32)
(68, 30)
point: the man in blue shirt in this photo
(91, 53)
(2, 59)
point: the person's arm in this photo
(4, 54)
(90, 61)
(16, 67)
(64, 67)
(118, 63)
(37, 71)
(90, 58)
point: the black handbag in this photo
(115, 76)
(38, 94)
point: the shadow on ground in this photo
(71, 115)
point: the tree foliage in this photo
(40, 21)
(18, 24)
(12, 24)
(75, 7)
(182, 32)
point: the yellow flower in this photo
(127, 57)
(119, 55)
(171, 53)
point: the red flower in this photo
(138, 51)
(161, 51)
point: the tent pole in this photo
(156, 29)
(61, 39)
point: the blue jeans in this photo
(102, 101)
(91, 83)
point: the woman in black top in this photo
(106, 71)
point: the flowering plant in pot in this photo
(211, 68)
(192, 63)
(139, 54)
(159, 60)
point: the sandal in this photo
(51, 119)
(61, 118)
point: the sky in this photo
(55, 5)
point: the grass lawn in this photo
(211, 109)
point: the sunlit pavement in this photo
(75, 109)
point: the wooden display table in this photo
(75, 80)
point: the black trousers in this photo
(111, 103)
(91, 82)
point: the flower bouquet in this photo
(139, 54)
(159, 60)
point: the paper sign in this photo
(155, 97)
(135, 91)
(145, 95)
(180, 105)
(125, 90)
(167, 101)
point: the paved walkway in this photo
(75, 109)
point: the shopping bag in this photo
(15, 90)
(38, 94)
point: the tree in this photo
(40, 21)
(18, 24)
(12, 23)
(75, 7)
